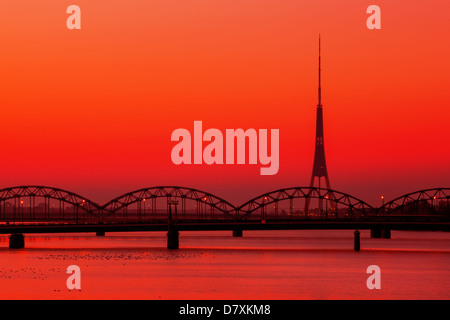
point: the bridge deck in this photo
(217, 226)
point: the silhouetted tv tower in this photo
(320, 165)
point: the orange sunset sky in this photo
(92, 110)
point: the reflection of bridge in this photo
(37, 209)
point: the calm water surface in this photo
(214, 265)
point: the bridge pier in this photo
(357, 242)
(237, 232)
(172, 237)
(16, 241)
(380, 233)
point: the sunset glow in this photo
(94, 108)
(225, 150)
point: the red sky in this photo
(92, 110)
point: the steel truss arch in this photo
(215, 203)
(337, 197)
(19, 193)
(425, 201)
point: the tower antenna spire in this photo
(320, 87)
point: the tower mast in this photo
(320, 165)
(320, 87)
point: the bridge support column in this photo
(357, 244)
(237, 232)
(172, 238)
(16, 241)
(100, 233)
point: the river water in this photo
(284, 265)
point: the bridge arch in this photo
(155, 204)
(39, 203)
(431, 202)
(335, 204)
